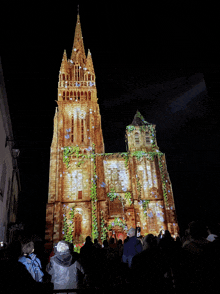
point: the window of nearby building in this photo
(2, 179)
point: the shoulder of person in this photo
(22, 259)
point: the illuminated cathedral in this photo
(98, 194)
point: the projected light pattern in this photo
(96, 193)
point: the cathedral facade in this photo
(96, 193)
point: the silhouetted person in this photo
(105, 244)
(131, 247)
(120, 249)
(96, 244)
(88, 256)
(195, 263)
(75, 255)
(147, 268)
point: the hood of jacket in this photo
(63, 258)
(32, 256)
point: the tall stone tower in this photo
(96, 193)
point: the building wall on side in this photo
(9, 176)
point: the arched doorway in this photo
(78, 225)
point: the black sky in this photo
(145, 58)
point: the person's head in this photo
(27, 247)
(213, 229)
(131, 232)
(198, 230)
(88, 239)
(119, 242)
(71, 247)
(112, 241)
(62, 246)
(148, 241)
(14, 250)
(178, 240)
(105, 243)
(95, 241)
(167, 235)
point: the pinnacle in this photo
(139, 120)
(89, 63)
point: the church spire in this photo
(78, 52)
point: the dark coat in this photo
(64, 271)
(132, 247)
(14, 278)
(147, 271)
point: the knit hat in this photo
(62, 246)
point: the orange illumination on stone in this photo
(77, 123)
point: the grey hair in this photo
(62, 246)
(131, 232)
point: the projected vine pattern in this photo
(70, 151)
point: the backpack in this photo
(33, 265)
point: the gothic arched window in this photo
(76, 73)
(72, 129)
(147, 138)
(82, 130)
(136, 138)
(78, 224)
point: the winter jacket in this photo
(64, 271)
(131, 248)
(33, 265)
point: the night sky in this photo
(147, 58)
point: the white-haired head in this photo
(131, 232)
(62, 246)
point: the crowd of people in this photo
(153, 264)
